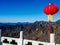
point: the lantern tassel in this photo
(50, 17)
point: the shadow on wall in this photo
(5, 41)
(12, 42)
(30, 43)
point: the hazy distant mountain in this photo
(34, 31)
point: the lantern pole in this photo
(49, 31)
(49, 28)
(50, 17)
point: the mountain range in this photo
(32, 31)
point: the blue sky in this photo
(25, 10)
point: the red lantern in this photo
(50, 10)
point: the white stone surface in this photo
(52, 38)
(25, 41)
